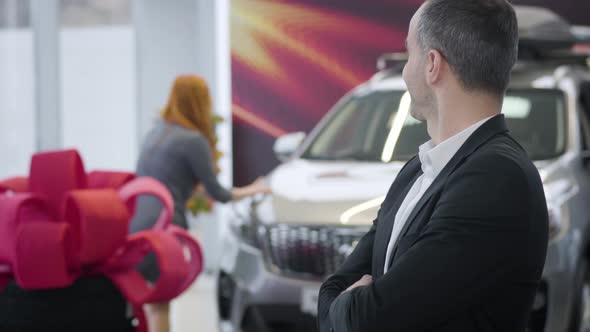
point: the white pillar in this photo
(214, 65)
(45, 22)
(166, 41)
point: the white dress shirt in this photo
(433, 158)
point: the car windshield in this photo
(378, 127)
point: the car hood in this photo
(320, 192)
(333, 193)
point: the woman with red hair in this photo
(180, 152)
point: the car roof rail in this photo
(385, 74)
(392, 61)
(561, 57)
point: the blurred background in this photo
(93, 75)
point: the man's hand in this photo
(366, 280)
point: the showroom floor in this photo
(196, 310)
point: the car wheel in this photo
(585, 305)
(581, 315)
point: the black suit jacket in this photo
(469, 257)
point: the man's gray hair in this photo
(478, 38)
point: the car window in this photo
(378, 126)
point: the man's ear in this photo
(434, 67)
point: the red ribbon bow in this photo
(61, 223)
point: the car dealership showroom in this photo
(295, 165)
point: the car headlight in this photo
(558, 193)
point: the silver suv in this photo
(331, 183)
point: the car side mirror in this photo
(286, 145)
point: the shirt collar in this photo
(434, 158)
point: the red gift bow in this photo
(61, 224)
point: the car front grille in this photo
(311, 252)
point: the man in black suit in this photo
(459, 243)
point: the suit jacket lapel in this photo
(491, 128)
(400, 187)
(434, 187)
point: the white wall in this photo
(17, 102)
(98, 100)
(98, 110)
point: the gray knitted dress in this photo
(179, 158)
